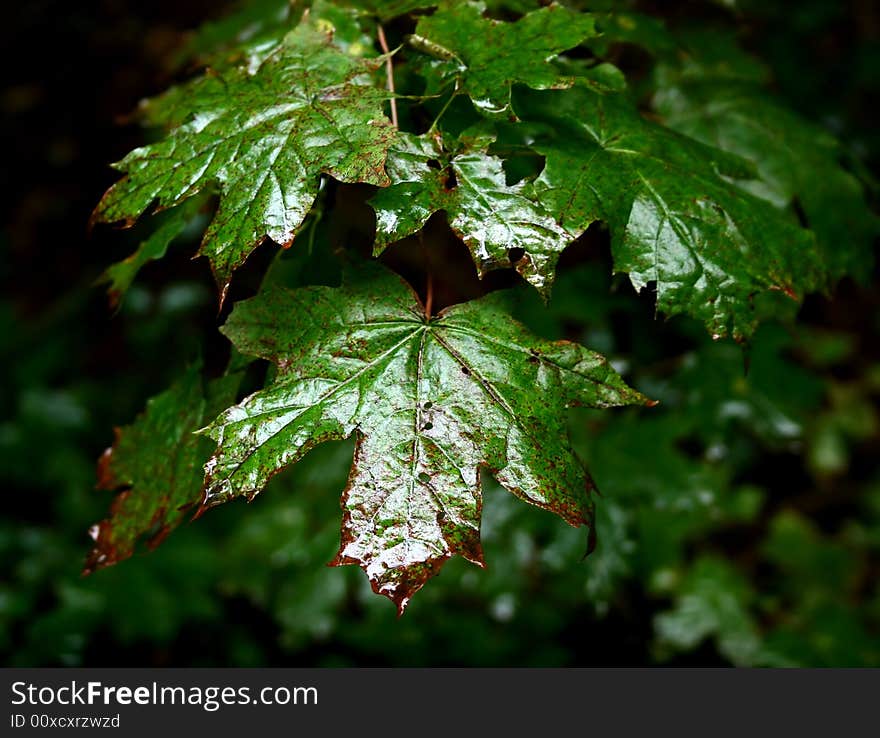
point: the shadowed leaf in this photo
(120, 275)
(799, 163)
(157, 461)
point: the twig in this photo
(429, 297)
(389, 72)
(444, 108)
(429, 287)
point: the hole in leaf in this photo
(515, 254)
(424, 478)
(427, 426)
(451, 182)
(428, 405)
(465, 370)
(525, 166)
(434, 164)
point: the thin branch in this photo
(389, 72)
(429, 287)
(429, 297)
(444, 108)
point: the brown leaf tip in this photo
(104, 553)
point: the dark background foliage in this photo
(740, 522)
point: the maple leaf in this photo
(492, 217)
(676, 219)
(157, 461)
(432, 402)
(262, 138)
(798, 162)
(488, 56)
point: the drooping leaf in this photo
(488, 56)
(493, 218)
(262, 138)
(799, 163)
(157, 463)
(120, 275)
(676, 221)
(637, 29)
(431, 401)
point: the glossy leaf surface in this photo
(494, 219)
(487, 56)
(262, 138)
(799, 163)
(431, 403)
(676, 221)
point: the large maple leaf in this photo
(725, 105)
(677, 220)
(262, 137)
(432, 402)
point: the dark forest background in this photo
(740, 525)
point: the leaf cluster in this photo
(526, 130)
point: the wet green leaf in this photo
(494, 219)
(701, 175)
(262, 137)
(799, 163)
(677, 223)
(431, 401)
(487, 57)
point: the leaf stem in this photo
(429, 287)
(389, 72)
(444, 108)
(429, 297)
